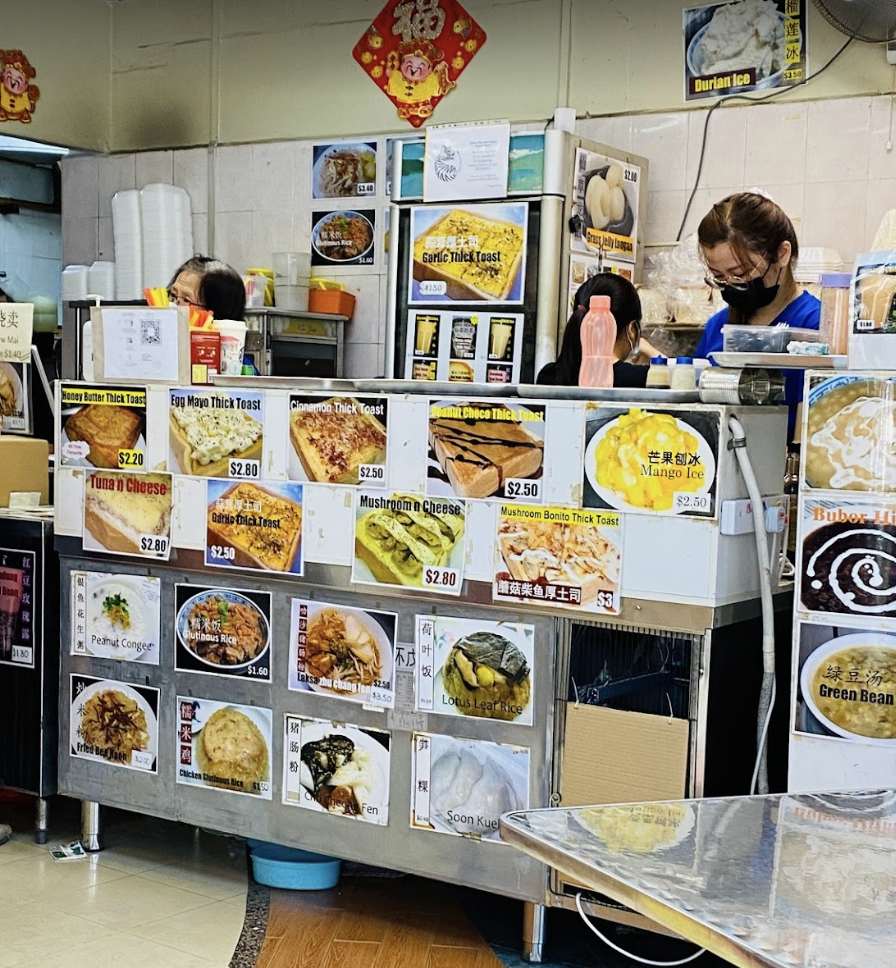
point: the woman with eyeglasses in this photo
(209, 284)
(749, 246)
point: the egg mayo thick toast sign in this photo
(651, 461)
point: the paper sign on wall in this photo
(16, 329)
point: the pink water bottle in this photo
(598, 334)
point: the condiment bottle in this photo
(598, 335)
(834, 325)
(658, 375)
(683, 377)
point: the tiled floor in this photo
(160, 895)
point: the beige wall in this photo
(68, 44)
(190, 71)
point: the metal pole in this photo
(41, 821)
(91, 827)
(533, 932)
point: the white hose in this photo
(628, 954)
(767, 692)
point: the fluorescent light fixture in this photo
(29, 147)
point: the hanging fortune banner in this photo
(415, 50)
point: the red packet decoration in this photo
(415, 50)
(18, 96)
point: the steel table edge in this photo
(677, 921)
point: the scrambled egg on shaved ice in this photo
(633, 459)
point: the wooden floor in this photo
(372, 922)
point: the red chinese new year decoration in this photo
(415, 50)
(17, 95)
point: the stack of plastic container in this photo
(128, 236)
(167, 232)
(101, 280)
(74, 283)
(292, 271)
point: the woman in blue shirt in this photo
(749, 246)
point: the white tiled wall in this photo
(825, 162)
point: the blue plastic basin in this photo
(299, 870)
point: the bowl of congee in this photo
(849, 686)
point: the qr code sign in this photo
(150, 332)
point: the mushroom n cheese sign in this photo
(415, 50)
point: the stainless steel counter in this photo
(771, 880)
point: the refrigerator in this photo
(479, 291)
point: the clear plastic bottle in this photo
(598, 335)
(658, 376)
(834, 325)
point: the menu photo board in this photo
(116, 616)
(224, 746)
(343, 237)
(103, 427)
(342, 652)
(114, 722)
(338, 439)
(223, 632)
(747, 46)
(128, 514)
(337, 769)
(584, 267)
(845, 682)
(15, 398)
(848, 556)
(462, 787)
(464, 346)
(487, 449)
(410, 541)
(16, 331)
(651, 461)
(473, 254)
(17, 577)
(605, 206)
(343, 169)
(477, 668)
(253, 526)
(216, 433)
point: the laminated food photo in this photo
(338, 440)
(103, 427)
(342, 652)
(344, 169)
(121, 616)
(128, 514)
(846, 678)
(255, 527)
(476, 448)
(337, 769)
(471, 254)
(216, 434)
(605, 208)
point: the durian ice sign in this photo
(605, 206)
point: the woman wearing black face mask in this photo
(749, 247)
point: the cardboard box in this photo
(23, 467)
(611, 756)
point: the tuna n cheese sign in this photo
(415, 50)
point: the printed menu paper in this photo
(605, 206)
(337, 769)
(464, 347)
(558, 557)
(343, 238)
(103, 426)
(462, 787)
(140, 344)
(128, 514)
(216, 433)
(114, 722)
(732, 48)
(466, 161)
(224, 746)
(845, 677)
(116, 616)
(409, 540)
(338, 439)
(472, 254)
(223, 631)
(17, 607)
(343, 169)
(342, 652)
(475, 668)
(486, 449)
(16, 332)
(254, 527)
(651, 461)
(15, 398)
